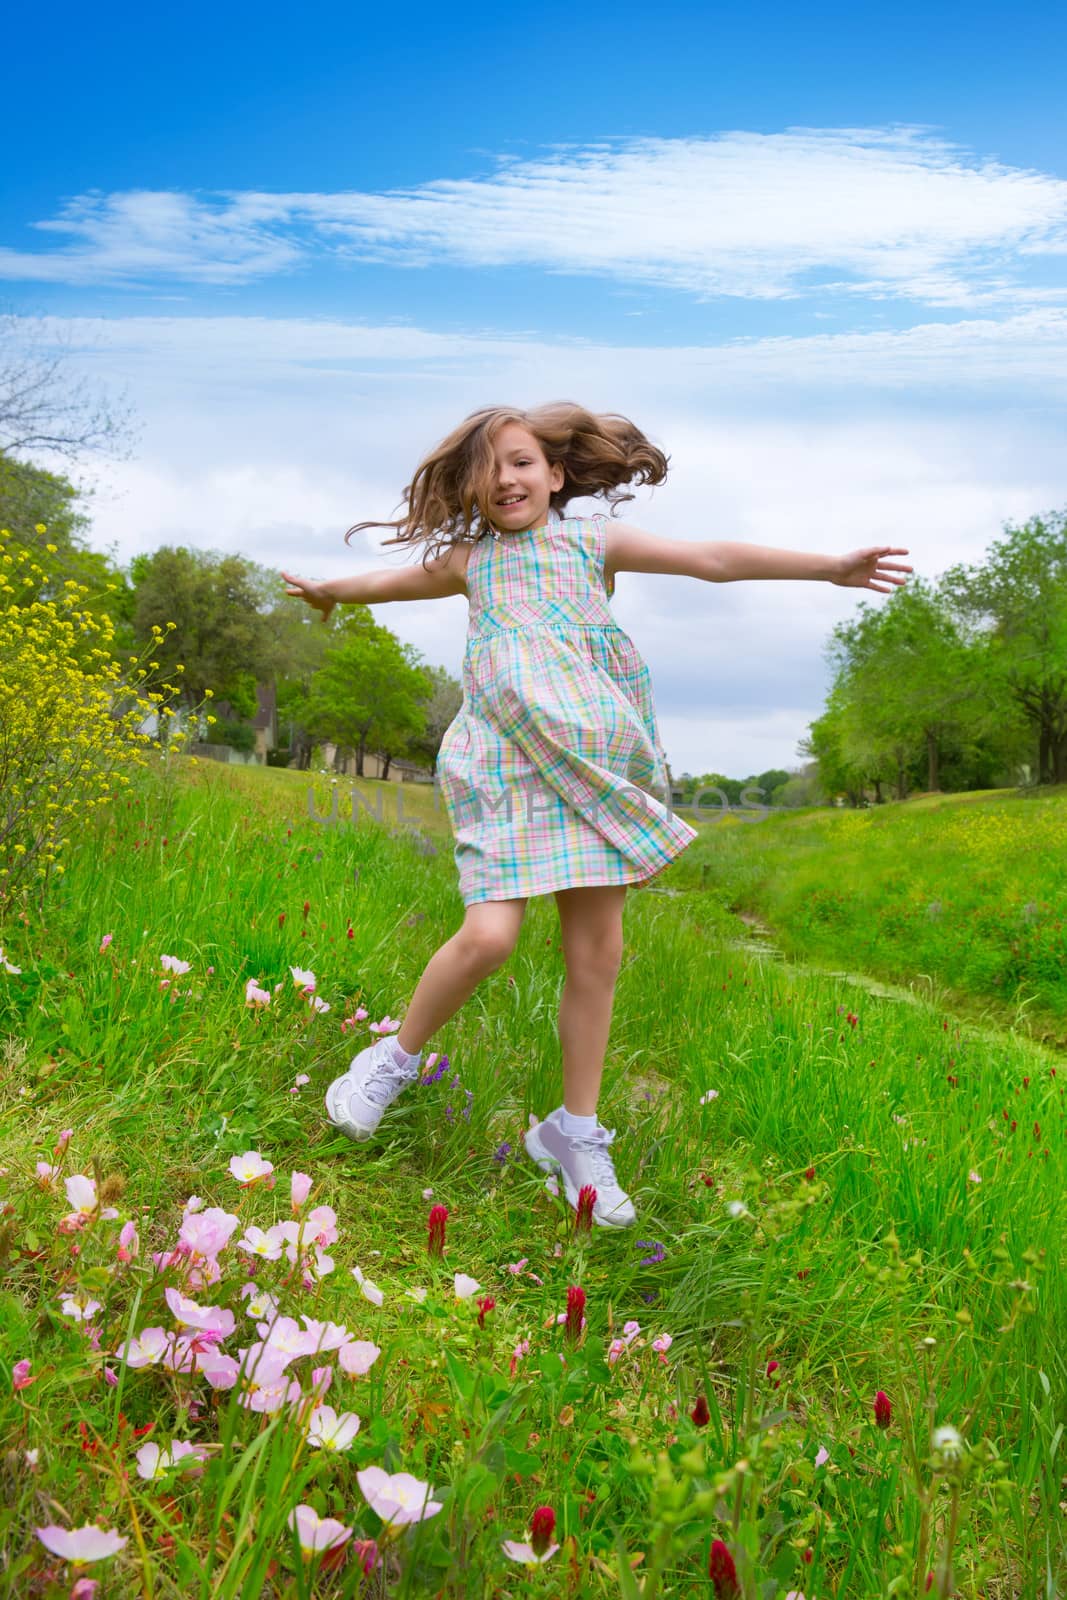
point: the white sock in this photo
(575, 1126)
(400, 1055)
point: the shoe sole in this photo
(352, 1129)
(548, 1163)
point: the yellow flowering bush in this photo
(71, 716)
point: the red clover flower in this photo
(436, 1240)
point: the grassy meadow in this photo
(830, 1360)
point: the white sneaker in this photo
(582, 1159)
(356, 1100)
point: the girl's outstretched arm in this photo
(630, 549)
(441, 575)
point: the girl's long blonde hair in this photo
(447, 497)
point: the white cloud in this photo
(876, 212)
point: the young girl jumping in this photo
(553, 774)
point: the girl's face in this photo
(523, 481)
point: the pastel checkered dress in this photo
(552, 770)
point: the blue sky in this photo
(819, 253)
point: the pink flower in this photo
(172, 964)
(105, 941)
(46, 1174)
(205, 1233)
(330, 1430)
(20, 1376)
(79, 1305)
(111, 1377)
(369, 1290)
(661, 1345)
(129, 1242)
(214, 1320)
(250, 1168)
(63, 1138)
(84, 1589)
(302, 978)
(145, 1348)
(357, 1357)
(316, 1533)
(299, 1082)
(255, 996)
(89, 1543)
(81, 1193)
(822, 1456)
(388, 1024)
(398, 1498)
(883, 1409)
(299, 1189)
(464, 1286)
(521, 1349)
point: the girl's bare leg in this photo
(483, 943)
(591, 930)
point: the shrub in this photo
(71, 716)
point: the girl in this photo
(552, 771)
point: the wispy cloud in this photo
(879, 213)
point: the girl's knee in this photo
(487, 946)
(597, 959)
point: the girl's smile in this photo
(525, 481)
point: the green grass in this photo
(966, 892)
(852, 1129)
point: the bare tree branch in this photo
(44, 407)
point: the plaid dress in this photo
(552, 770)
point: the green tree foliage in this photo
(369, 693)
(221, 633)
(445, 699)
(30, 499)
(1018, 596)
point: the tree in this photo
(1019, 597)
(30, 499)
(369, 692)
(221, 636)
(439, 710)
(43, 406)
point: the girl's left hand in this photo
(868, 569)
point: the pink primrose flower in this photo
(89, 1543)
(81, 1193)
(255, 996)
(217, 1321)
(299, 1189)
(79, 1305)
(315, 1533)
(250, 1168)
(145, 1348)
(357, 1356)
(330, 1430)
(398, 1498)
(105, 941)
(20, 1375)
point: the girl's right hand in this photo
(305, 589)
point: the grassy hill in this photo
(838, 1196)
